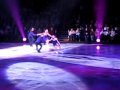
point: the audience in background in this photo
(77, 32)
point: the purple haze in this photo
(14, 10)
(100, 9)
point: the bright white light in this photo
(45, 48)
(60, 56)
(98, 40)
(37, 76)
(24, 39)
(34, 46)
(18, 51)
(25, 50)
(98, 47)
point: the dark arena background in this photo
(59, 45)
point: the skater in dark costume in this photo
(31, 36)
(46, 36)
(39, 42)
(42, 39)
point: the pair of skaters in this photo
(44, 38)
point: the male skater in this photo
(39, 42)
(31, 36)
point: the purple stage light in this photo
(24, 39)
(31, 73)
(14, 11)
(100, 9)
(98, 40)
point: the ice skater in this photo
(43, 38)
(39, 42)
(31, 36)
(46, 36)
(55, 42)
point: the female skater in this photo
(43, 38)
(55, 42)
(46, 36)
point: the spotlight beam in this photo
(100, 9)
(14, 11)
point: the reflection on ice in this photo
(37, 76)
